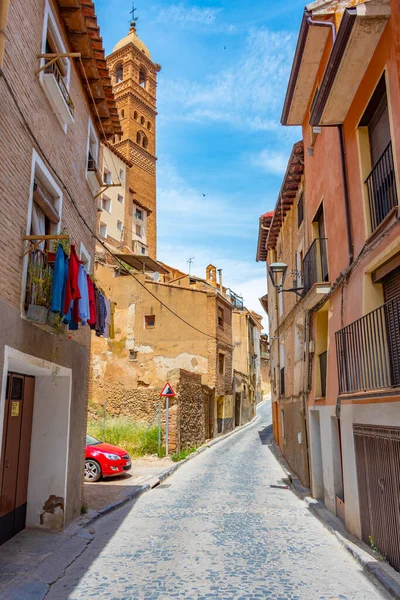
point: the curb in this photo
(386, 576)
(155, 481)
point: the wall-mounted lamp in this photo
(277, 272)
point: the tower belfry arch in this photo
(134, 80)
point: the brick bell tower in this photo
(134, 79)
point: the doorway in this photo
(237, 409)
(14, 466)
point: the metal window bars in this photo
(381, 185)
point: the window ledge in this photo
(56, 99)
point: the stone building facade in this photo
(344, 93)
(134, 78)
(283, 240)
(151, 340)
(48, 124)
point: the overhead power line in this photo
(94, 234)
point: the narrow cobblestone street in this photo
(217, 529)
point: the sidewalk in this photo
(388, 577)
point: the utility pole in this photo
(190, 261)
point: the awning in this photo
(142, 263)
(358, 36)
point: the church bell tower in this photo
(134, 79)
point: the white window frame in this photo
(102, 224)
(122, 174)
(39, 167)
(50, 18)
(120, 198)
(92, 134)
(85, 258)
(121, 229)
(107, 172)
(108, 199)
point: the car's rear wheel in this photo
(92, 470)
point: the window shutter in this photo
(379, 130)
(391, 291)
(45, 202)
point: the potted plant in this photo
(40, 279)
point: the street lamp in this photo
(277, 272)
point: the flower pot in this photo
(37, 314)
(51, 257)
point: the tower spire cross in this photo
(134, 19)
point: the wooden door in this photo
(14, 466)
(237, 410)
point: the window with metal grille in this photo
(133, 355)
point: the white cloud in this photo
(184, 16)
(184, 210)
(271, 161)
(247, 95)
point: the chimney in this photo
(220, 280)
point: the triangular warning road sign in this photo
(167, 392)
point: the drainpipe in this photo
(324, 24)
(4, 5)
(346, 194)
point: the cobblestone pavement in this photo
(217, 530)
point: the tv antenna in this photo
(190, 261)
(134, 19)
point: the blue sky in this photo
(225, 66)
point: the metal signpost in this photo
(167, 393)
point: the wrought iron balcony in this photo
(381, 184)
(54, 69)
(315, 264)
(368, 350)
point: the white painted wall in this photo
(50, 429)
(49, 449)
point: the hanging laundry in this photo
(108, 319)
(72, 288)
(112, 323)
(60, 266)
(101, 315)
(81, 310)
(92, 303)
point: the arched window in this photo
(142, 78)
(142, 121)
(135, 115)
(148, 125)
(145, 142)
(122, 114)
(138, 137)
(119, 72)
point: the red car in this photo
(104, 460)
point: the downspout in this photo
(324, 24)
(346, 194)
(4, 6)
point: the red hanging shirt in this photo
(72, 291)
(92, 302)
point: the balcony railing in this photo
(237, 301)
(368, 350)
(315, 264)
(54, 70)
(381, 184)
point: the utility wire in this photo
(94, 235)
